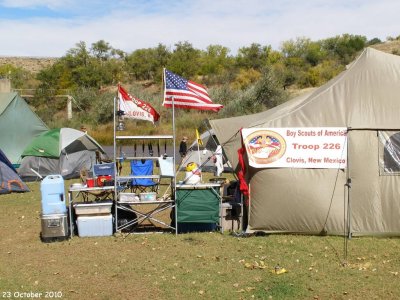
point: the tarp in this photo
(364, 99)
(9, 179)
(63, 151)
(18, 125)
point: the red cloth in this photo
(244, 188)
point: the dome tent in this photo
(63, 151)
(9, 179)
(19, 126)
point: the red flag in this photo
(135, 108)
(186, 94)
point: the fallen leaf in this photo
(279, 271)
(248, 265)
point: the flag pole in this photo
(174, 183)
(198, 153)
(174, 149)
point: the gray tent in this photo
(19, 125)
(364, 99)
(63, 151)
(204, 153)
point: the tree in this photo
(373, 41)
(344, 47)
(147, 64)
(185, 60)
(141, 63)
(101, 50)
(268, 90)
(245, 78)
(253, 57)
(80, 55)
(215, 60)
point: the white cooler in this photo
(92, 225)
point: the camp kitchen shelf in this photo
(144, 137)
(143, 212)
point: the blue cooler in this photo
(53, 195)
(54, 211)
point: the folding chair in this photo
(109, 169)
(142, 184)
(104, 169)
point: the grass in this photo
(189, 266)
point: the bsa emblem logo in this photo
(265, 146)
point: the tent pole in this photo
(115, 162)
(348, 184)
(347, 215)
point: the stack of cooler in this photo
(54, 210)
(94, 218)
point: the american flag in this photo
(186, 94)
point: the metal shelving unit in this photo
(129, 203)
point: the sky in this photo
(49, 28)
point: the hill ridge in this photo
(31, 64)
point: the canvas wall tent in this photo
(9, 179)
(63, 151)
(366, 100)
(19, 125)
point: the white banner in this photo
(310, 147)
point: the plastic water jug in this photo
(53, 195)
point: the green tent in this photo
(63, 151)
(18, 124)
